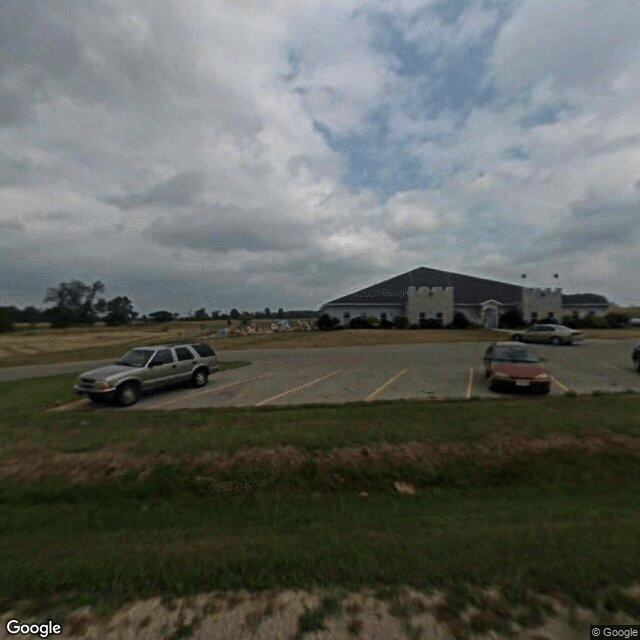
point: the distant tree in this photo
(119, 311)
(161, 316)
(175, 316)
(280, 314)
(77, 299)
(267, 312)
(258, 315)
(201, 314)
(6, 324)
(245, 319)
(61, 317)
(234, 314)
(31, 314)
(215, 315)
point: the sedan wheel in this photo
(128, 394)
(200, 378)
(555, 341)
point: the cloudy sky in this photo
(247, 154)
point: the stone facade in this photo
(540, 303)
(429, 301)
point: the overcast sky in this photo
(201, 153)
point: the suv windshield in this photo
(136, 358)
(515, 355)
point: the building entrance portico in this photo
(489, 314)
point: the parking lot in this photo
(391, 372)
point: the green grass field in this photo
(102, 507)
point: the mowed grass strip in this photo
(543, 539)
(523, 494)
(28, 427)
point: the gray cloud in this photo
(11, 225)
(181, 190)
(228, 227)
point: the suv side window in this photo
(163, 356)
(183, 354)
(203, 350)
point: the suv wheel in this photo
(555, 341)
(199, 378)
(128, 394)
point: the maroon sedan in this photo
(516, 366)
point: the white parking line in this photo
(380, 389)
(302, 386)
(469, 384)
(613, 366)
(562, 386)
(209, 390)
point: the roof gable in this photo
(467, 289)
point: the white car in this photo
(551, 333)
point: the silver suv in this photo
(147, 368)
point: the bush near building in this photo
(401, 322)
(459, 321)
(511, 319)
(327, 323)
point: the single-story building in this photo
(423, 293)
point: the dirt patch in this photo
(112, 464)
(406, 614)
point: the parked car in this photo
(635, 356)
(552, 333)
(634, 322)
(148, 368)
(514, 365)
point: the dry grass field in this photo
(43, 345)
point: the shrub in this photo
(61, 317)
(401, 322)
(511, 319)
(460, 321)
(373, 321)
(431, 323)
(327, 323)
(571, 322)
(5, 323)
(359, 323)
(386, 324)
(593, 322)
(616, 320)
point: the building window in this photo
(346, 315)
(439, 315)
(534, 315)
(430, 294)
(576, 315)
(592, 313)
(383, 316)
(551, 314)
(422, 315)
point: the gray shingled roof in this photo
(584, 298)
(467, 289)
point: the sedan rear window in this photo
(515, 355)
(203, 350)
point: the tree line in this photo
(76, 303)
